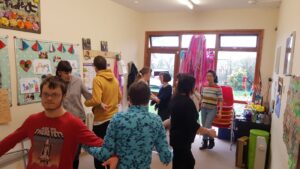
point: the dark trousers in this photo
(76, 159)
(164, 114)
(183, 158)
(100, 131)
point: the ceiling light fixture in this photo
(189, 3)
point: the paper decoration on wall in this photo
(5, 115)
(41, 67)
(36, 46)
(74, 64)
(71, 49)
(30, 85)
(51, 48)
(22, 15)
(43, 55)
(291, 122)
(104, 46)
(88, 75)
(2, 44)
(44, 63)
(24, 45)
(5, 67)
(25, 65)
(61, 48)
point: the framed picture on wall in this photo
(86, 43)
(277, 60)
(289, 54)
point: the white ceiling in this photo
(174, 5)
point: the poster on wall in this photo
(277, 61)
(289, 54)
(291, 122)
(21, 15)
(37, 58)
(278, 98)
(5, 66)
(5, 115)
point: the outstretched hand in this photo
(111, 162)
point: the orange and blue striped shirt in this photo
(211, 95)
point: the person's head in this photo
(139, 93)
(186, 85)
(64, 70)
(100, 63)
(144, 73)
(164, 77)
(211, 76)
(53, 89)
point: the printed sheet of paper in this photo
(5, 115)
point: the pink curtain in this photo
(197, 60)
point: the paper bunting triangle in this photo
(24, 45)
(71, 49)
(2, 44)
(51, 48)
(61, 48)
(36, 47)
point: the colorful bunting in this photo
(2, 44)
(61, 48)
(37, 47)
(24, 45)
(51, 48)
(71, 49)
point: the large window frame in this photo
(219, 33)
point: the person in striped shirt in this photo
(211, 98)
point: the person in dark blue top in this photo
(163, 97)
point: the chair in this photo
(228, 113)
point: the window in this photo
(237, 69)
(237, 55)
(161, 62)
(165, 41)
(238, 41)
(210, 40)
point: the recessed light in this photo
(136, 2)
(252, 1)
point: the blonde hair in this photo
(142, 72)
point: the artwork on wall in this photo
(289, 54)
(278, 96)
(35, 59)
(5, 115)
(291, 123)
(104, 46)
(86, 43)
(21, 15)
(277, 61)
(5, 66)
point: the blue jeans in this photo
(207, 117)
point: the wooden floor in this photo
(219, 158)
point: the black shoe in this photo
(204, 145)
(211, 144)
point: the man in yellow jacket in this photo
(106, 96)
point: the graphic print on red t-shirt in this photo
(46, 148)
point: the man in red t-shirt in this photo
(54, 133)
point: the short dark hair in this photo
(53, 82)
(139, 93)
(214, 75)
(63, 66)
(100, 63)
(186, 84)
(166, 76)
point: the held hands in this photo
(105, 107)
(112, 162)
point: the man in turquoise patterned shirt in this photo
(133, 134)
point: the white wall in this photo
(69, 21)
(222, 20)
(288, 22)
